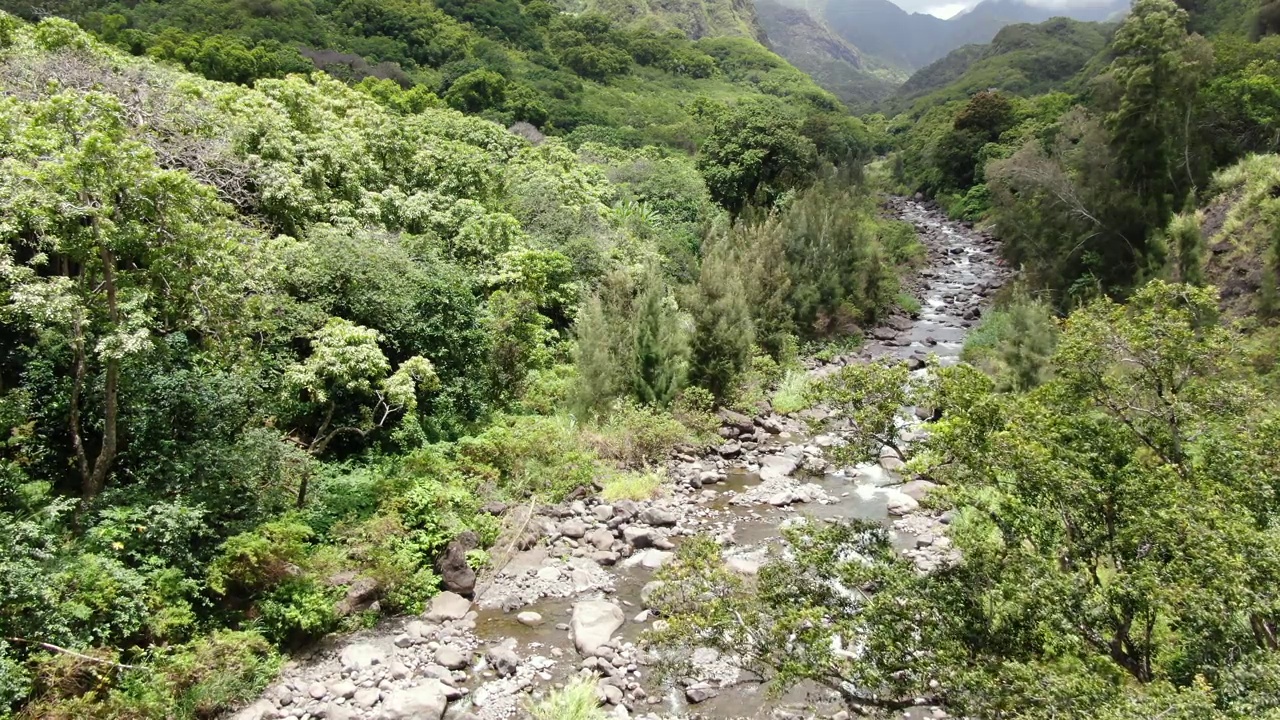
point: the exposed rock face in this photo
(454, 569)
(593, 623)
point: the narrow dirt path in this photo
(576, 599)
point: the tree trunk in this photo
(95, 480)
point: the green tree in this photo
(476, 91)
(1157, 71)
(754, 153)
(661, 347)
(346, 387)
(1114, 525)
(723, 333)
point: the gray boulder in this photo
(423, 702)
(593, 623)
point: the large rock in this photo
(447, 606)
(776, 467)
(657, 517)
(503, 658)
(450, 657)
(362, 656)
(455, 571)
(918, 490)
(424, 702)
(593, 623)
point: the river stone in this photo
(610, 694)
(602, 512)
(657, 517)
(654, 559)
(343, 689)
(604, 557)
(334, 711)
(503, 658)
(600, 539)
(573, 529)
(317, 690)
(447, 606)
(743, 565)
(529, 618)
(730, 449)
(260, 710)
(450, 657)
(638, 537)
(737, 420)
(361, 656)
(367, 697)
(700, 692)
(424, 702)
(593, 623)
(901, 505)
(776, 467)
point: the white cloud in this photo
(944, 9)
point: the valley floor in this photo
(571, 590)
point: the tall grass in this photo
(791, 392)
(577, 701)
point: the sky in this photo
(947, 8)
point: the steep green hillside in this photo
(694, 18)
(500, 59)
(1022, 59)
(814, 48)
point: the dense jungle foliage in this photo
(262, 340)
(291, 292)
(1106, 451)
(509, 61)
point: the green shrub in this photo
(344, 493)
(297, 611)
(908, 303)
(205, 678)
(635, 435)
(258, 560)
(695, 409)
(528, 455)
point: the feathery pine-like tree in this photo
(723, 332)
(600, 374)
(661, 349)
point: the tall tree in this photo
(1158, 70)
(661, 348)
(723, 332)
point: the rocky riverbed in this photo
(573, 599)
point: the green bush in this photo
(636, 436)
(297, 611)
(258, 560)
